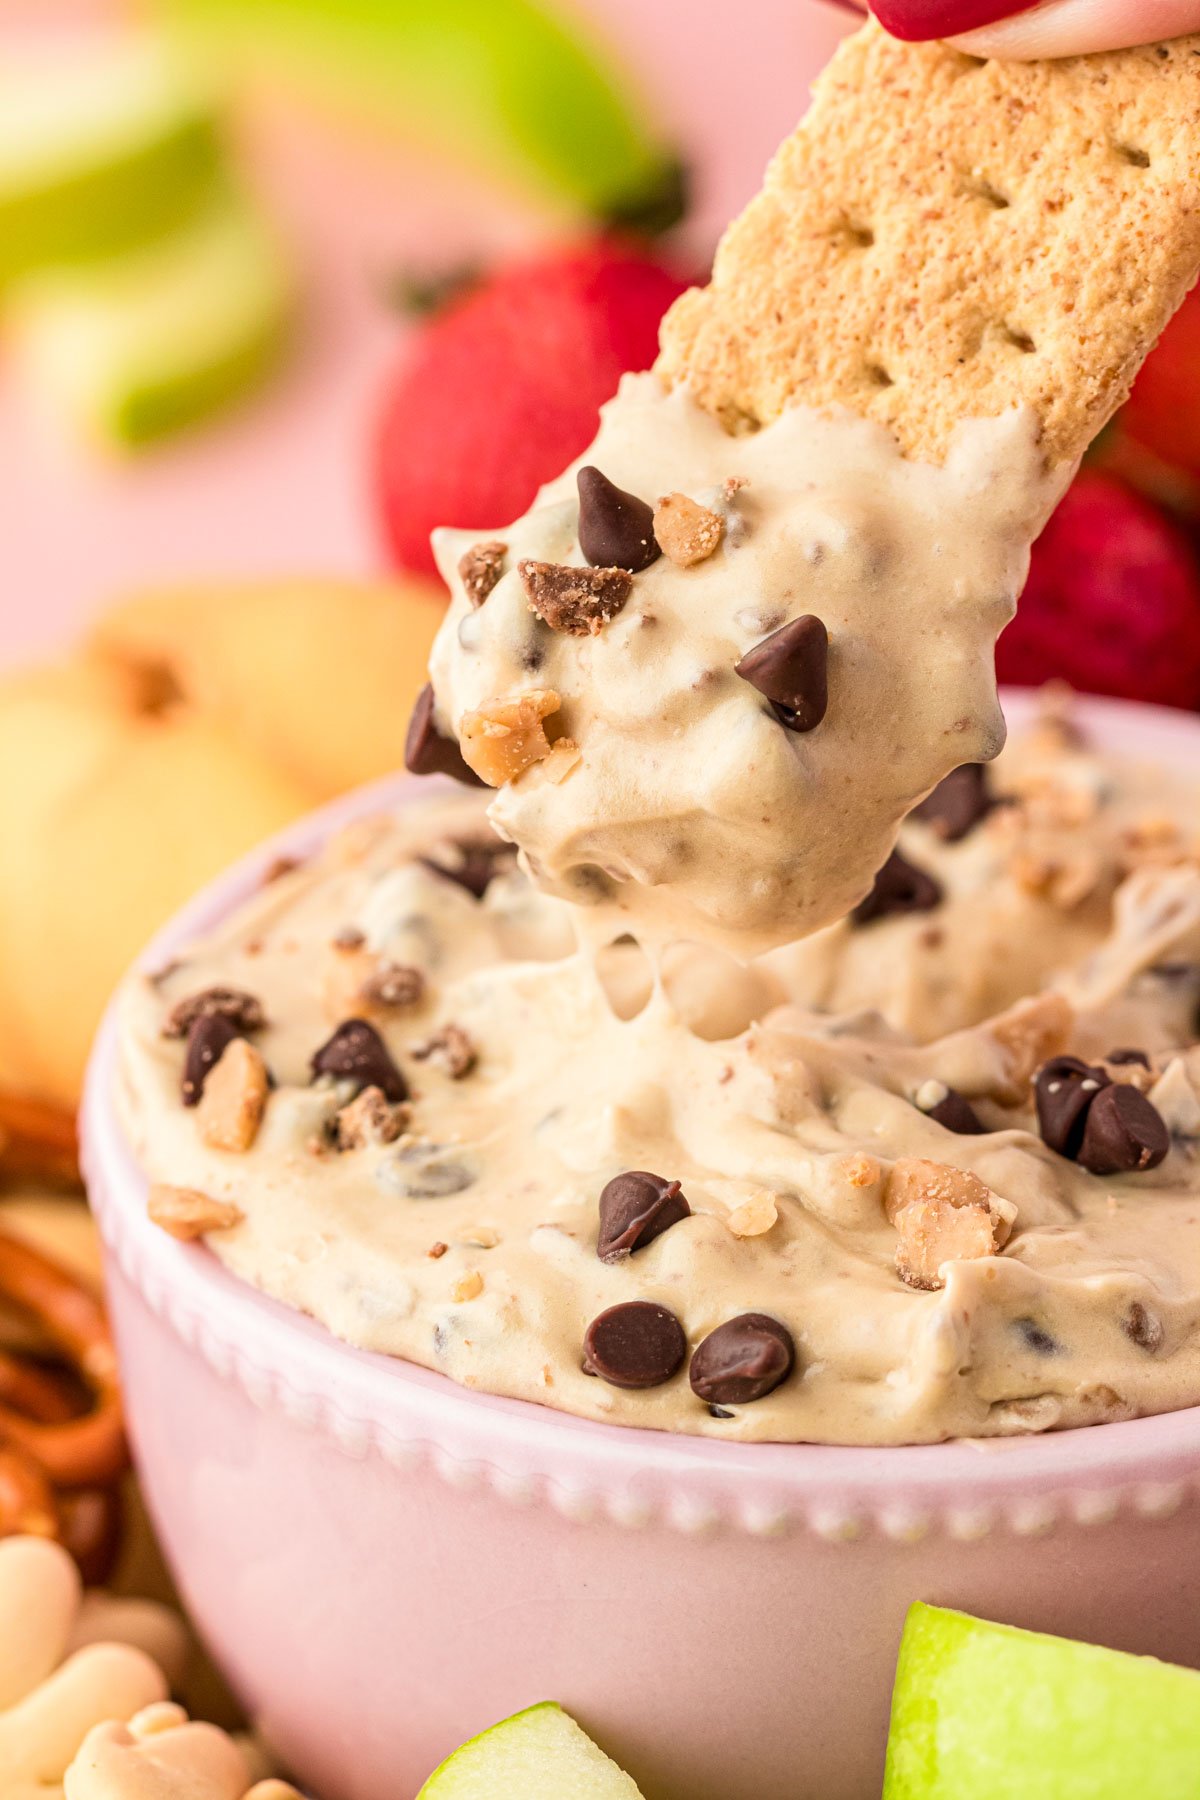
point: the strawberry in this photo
(1163, 412)
(1112, 604)
(502, 389)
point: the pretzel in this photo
(87, 1521)
(88, 1449)
(37, 1141)
(944, 237)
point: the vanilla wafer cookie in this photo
(943, 237)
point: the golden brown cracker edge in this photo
(944, 237)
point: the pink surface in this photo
(280, 486)
(385, 1563)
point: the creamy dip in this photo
(691, 810)
(461, 1229)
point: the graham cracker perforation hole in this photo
(1129, 153)
(878, 376)
(988, 192)
(853, 234)
(1020, 340)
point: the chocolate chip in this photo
(955, 1113)
(635, 1208)
(1143, 1327)
(481, 568)
(790, 669)
(208, 1039)
(719, 1412)
(475, 865)
(1037, 1338)
(357, 1053)
(1124, 1057)
(1063, 1091)
(244, 1012)
(1124, 1132)
(636, 1344)
(900, 887)
(428, 751)
(616, 529)
(742, 1360)
(957, 803)
(578, 601)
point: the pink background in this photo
(280, 486)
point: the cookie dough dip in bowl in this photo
(384, 1557)
(551, 1279)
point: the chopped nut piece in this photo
(469, 1287)
(505, 737)
(369, 1119)
(481, 568)
(357, 984)
(916, 1178)
(580, 602)
(686, 531)
(860, 1170)
(244, 1011)
(936, 1231)
(564, 756)
(753, 1217)
(437, 1250)
(1026, 1035)
(1064, 882)
(451, 1048)
(234, 1100)
(186, 1213)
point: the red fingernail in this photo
(916, 21)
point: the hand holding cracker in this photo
(1059, 28)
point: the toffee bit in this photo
(234, 1100)
(437, 1250)
(504, 737)
(244, 1011)
(687, 531)
(393, 985)
(370, 1118)
(187, 1214)
(451, 1048)
(579, 602)
(481, 568)
(1143, 1327)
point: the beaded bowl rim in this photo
(371, 1404)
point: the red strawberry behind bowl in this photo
(502, 389)
(1112, 604)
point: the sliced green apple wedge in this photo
(540, 1754)
(521, 90)
(987, 1712)
(100, 154)
(140, 346)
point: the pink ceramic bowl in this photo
(384, 1563)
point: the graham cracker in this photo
(943, 237)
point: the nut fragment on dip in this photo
(503, 738)
(941, 1214)
(185, 1213)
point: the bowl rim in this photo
(368, 1402)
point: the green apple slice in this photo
(100, 154)
(136, 348)
(519, 89)
(987, 1712)
(540, 1754)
